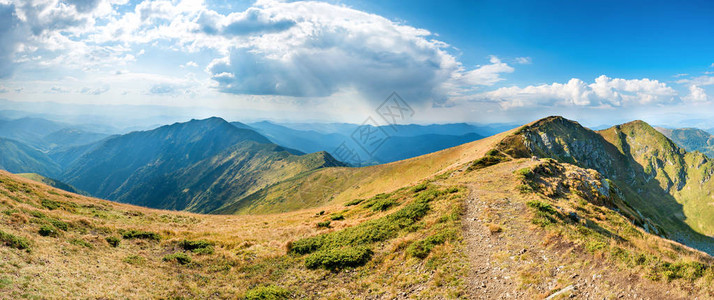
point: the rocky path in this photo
(513, 259)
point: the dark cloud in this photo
(254, 22)
(9, 38)
(84, 6)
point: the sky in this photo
(598, 62)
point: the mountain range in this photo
(548, 209)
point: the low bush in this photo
(199, 247)
(179, 257)
(337, 217)
(14, 241)
(134, 259)
(422, 248)
(324, 224)
(492, 157)
(338, 258)
(269, 292)
(354, 202)
(49, 204)
(113, 241)
(82, 243)
(136, 234)
(382, 204)
(420, 188)
(545, 214)
(48, 230)
(368, 232)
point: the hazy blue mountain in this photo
(691, 139)
(307, 141)
(399, 147)
(404, 141)
(17, 157)
(69, 137)
(30, 131)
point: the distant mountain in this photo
(197, 165)
(691, 139)
(68, 137)
(46, 135)
(51, 182)
(30, 131)
(17, 157)
(402, 147)
(404, 141)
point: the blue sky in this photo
(453, 61)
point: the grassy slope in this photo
(248, 252)
(415, 252)
(338, 185)
(51, 182)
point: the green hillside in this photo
(663, 183)
(691, 139)
(52, 182)
(17, 157)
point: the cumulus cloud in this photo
(696, 94)
(321, 49)
(604, 91)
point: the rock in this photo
(566, 289)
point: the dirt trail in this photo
(511, 260)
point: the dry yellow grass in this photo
(250, 251)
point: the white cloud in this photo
(523, 60)
(604, 91)
(94, 91)
(696, 94)
(189, 64)
(322, 49)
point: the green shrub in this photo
(14, 241)
(382, 204)
(337, 217)
(113, 241)
(82, 243)
(422, 248)
(136, 234)
(324, 224)
(420, 187)
(49, 204)
(48, 230)
(179, 257)
(492, 157)
(270, 292)
(134, 259)
(545, 214)
(199, 247)
(59, 224)
(354, 202)
(338, 258)
(368, 232)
